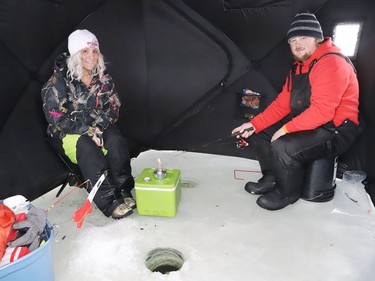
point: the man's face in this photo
(303, 47)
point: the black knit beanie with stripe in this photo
(305, 24)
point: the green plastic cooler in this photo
(158, 197)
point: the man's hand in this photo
(279, 133)
(245, 130)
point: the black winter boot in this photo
(287, 190)
(275, 200)
(265, 157)
(265, 184)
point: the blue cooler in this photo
(35, 266)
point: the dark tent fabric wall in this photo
(177, 66)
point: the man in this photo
(314, 116)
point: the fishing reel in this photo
(241, 143)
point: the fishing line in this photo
(67, 194)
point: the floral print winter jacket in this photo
(72, 108)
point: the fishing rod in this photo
(241, 143)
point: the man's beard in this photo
(304, 58)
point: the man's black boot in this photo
(265, 184)
(286, 191)
(275, 200)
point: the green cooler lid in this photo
(147, 179)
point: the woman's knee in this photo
(90, 155)
(85, 145)
(113, 138)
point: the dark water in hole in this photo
(165, 269)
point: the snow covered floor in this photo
(219, 229)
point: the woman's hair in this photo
(75, 70)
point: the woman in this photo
(81, 107)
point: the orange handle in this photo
(81, 213)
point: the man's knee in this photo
(281, 151)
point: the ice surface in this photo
(219, 229)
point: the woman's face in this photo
(303, 47)
(89, 58)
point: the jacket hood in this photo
(60, 62)
(326, 47)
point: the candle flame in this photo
(159, 166)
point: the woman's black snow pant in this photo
(93, 161)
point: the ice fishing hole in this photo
(188, 184)
(164, 260)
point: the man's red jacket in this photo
(334, 94)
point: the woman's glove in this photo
(91, 131)
(98, 137)
(34, 225)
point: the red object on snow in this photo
(81, 213)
